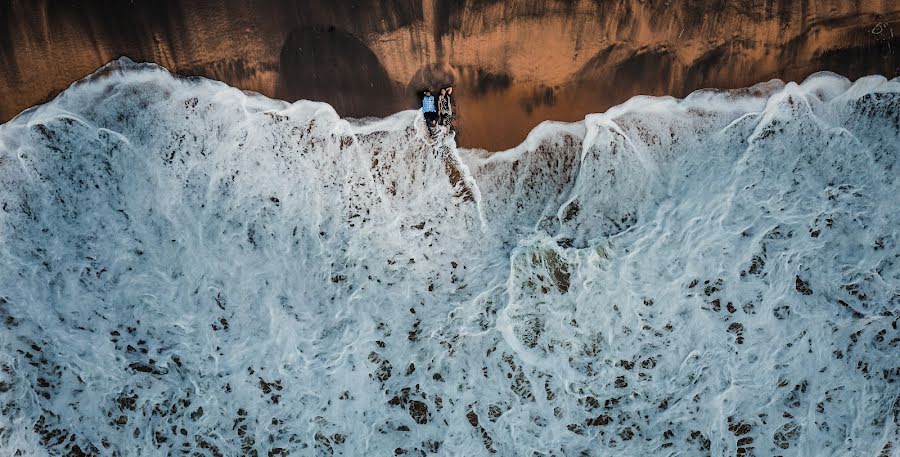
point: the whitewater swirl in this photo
(191, 269)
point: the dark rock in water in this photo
(147, 368)
(602, 419)
(802, 286)
(418, 411)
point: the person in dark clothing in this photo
(445, 106)
(428, 109)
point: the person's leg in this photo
(429, 121)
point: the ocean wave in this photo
(194, 269)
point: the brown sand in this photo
(515, 63)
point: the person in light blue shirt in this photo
(429, 110)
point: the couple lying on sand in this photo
(442, 114)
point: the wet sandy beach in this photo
(368, 58)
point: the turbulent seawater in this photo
(189, 269)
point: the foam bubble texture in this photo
(189, 269)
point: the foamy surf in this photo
(190, 268)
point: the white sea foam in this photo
(192, 269)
